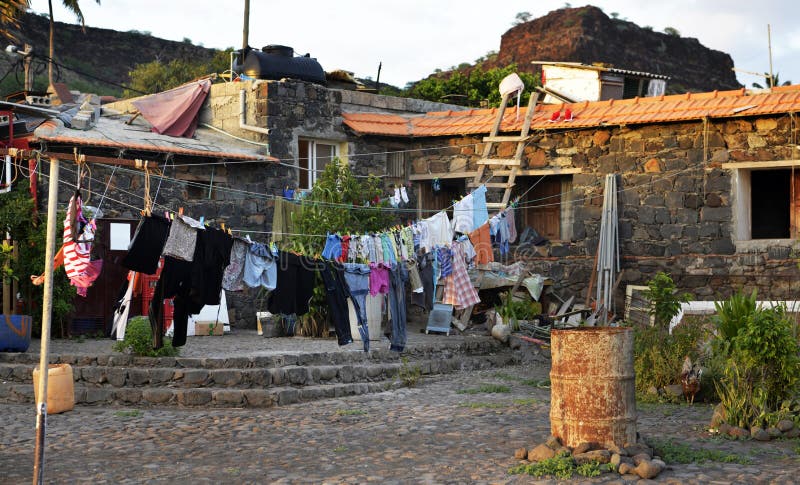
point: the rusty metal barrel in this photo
(592, 386)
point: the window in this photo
(768, 203)
(546, 208)
(313, 156)
(396, 165)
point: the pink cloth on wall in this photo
(174, 112)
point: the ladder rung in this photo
(491, 185)
(501, 139)
(495, 205)
(498, 161)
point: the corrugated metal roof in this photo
(690, 106)
(579, 65)
(112, 133)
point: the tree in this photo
(156, 76)
(672, 31)
(471, 88)
(73, 6)
(521, 18)
(775, 82)
(10, 11)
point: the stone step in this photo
(306, 384)
(202, 397)
(470, 346)
(102, 376)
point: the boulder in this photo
(541, 452)
(759, 434)
(637, 448)
(648, 469)
(553, 442)
(586, 446)
(600, 456)
(774, 432)
(792, 433)
(737, 432)
(625, 469)
(640, 458)
(785, 425)
(521, 453)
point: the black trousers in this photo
(336, 292)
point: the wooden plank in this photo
(501, 139)
(498, 161)
(487, 150)
(495, 205)
(539, 171)
(490, 185)
(769, 164)
(442, 175)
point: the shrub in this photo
(665, 299)
(139, 340)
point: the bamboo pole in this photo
(47, 307)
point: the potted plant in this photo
(15, 330)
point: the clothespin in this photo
(180, 211)
(222, 225)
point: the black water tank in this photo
(277, 62)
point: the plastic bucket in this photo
(15, 333)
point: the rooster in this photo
(690, 379)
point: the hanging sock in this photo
(404, 194)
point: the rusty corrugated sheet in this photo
(592, 386)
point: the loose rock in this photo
(648, 469)
(541, 452)
(792, 433)
(600, 456)
(759, 434)
(613, 448)
(738, 432)
(640, 458)
(586, 446)
(785, 425)
(521, 453)
(637, 448)
(625, 469)
(553, 442)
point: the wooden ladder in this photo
(504, 168)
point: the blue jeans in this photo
(357, 278)
(398, 277)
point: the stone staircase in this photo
(253, 382)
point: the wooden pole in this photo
(47, 307)
(245, 30)
(769, 46)
(52, 48)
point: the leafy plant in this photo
(561, 466)
(139, 340)
(674, 452)
(591, 469)
(666, 301)
(732, 314)
(409, 374)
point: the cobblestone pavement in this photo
(442, 431)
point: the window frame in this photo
(312, 167)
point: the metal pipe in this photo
(47, 310)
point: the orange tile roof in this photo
(690, 106)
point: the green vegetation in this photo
(759, 352)
(672, 31)
(157, 76)
(513, 311)
(674, 452)
(469, 89)
(30, 235)
(525, 401)
(539, 384)
(139, 340)
(329, 205)
(409, 374)
(485, 389)
(340, 449)
(561, 466)
(665, 299)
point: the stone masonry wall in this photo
(676, 205)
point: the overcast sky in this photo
(414, 37)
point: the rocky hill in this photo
(588, 35)
(101, 53)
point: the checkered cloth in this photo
(459, 291)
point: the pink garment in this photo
(458, 290)
(76, 254)
(378, 279)
(83, 281)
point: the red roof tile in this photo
(690, 106)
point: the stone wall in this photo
(676, 205)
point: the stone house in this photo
(708, 184)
